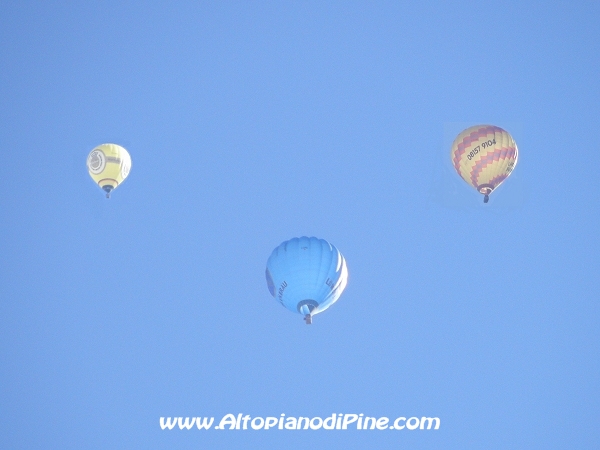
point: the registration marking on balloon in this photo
(281, 290)
(473, 152)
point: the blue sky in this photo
(252, 123)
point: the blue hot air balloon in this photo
(306, 275)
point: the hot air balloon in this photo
(484, 156)
(306, 275)
(109, 165)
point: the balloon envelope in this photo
(484, 156)
(109, 165)
(306, 275)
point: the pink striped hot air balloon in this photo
(484, 156)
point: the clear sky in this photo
(250, 123)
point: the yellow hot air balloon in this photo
(484, 156)
(109, 165)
